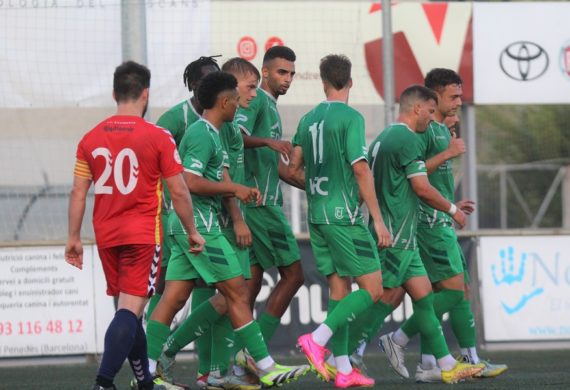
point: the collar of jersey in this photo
(402, 124)
(210, 125)
(269, 95)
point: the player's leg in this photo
(200, 294)
(123, 338)
(274, 245)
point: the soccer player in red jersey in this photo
(125, 157)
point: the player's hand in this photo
(247, 194)
(196, 242)
(243, 234)
(384, 236)
(74, 253)
(283, 147)
(466, 205)
(460, 218)
(456, 146)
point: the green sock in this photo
(252, 339)
(367, 325)
(443, 301)
(193, 327)
(223, 342)
(152, 304)
(463, 324)
(430, 327)
(339, 339)
(156, 335)
(268, 325)
(348, 309)
(204, 343)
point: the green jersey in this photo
(232, 142)
(332, 137)
(176, 120)
(202, 154)
(434, 141)
(396, 156)
(261, 119)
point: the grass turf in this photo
(543, 370)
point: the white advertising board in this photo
(49, 307)
(525, 287)
(521, 53)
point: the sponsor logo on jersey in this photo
(315, 185)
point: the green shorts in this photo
(347, 250)
(466, 276)
(218, 261)
(400, 265)
(440, 252)
(167, 241)
(242, 254)
(274, 244)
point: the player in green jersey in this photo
(176, 120)
(330, 158)
(231, 219)
(400, 176)
(439, 249)
(274, 244)
(203, 159)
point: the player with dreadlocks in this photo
(176, 120)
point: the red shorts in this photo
(132, 269)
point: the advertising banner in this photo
(73, 63)
(521, 53)
(525, 287)
(49, 307)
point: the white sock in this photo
(331, 360)
(361, 348)
(152, 366)
(400, 338)
(428, 362)
(446, 363)
(343, 364)
(265, 363)
(471, 354)
(322, 335)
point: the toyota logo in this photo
(524, 61)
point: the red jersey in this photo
(126, 157)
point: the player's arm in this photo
(365, 182)
(182, 203)
(76, 210)
(428, 194)
(280, 146)
(201, 186)
(241, 230)
(456, 148)
(294, 173)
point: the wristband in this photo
(452, 210)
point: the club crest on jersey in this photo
(338, 212)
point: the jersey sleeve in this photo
(246, 117)
(355, 140)
(81, 168)
(174, 125)
(170, 162)
(198, 152)
(412, 159)
(297, 138)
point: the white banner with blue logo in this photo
(525, 287)
(521, 53)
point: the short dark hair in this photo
(439, 78)
(413, 94)
(238, 65)
(279, 52)
(193, 72)
(335, 70)
(212, 85)
(130, 80)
